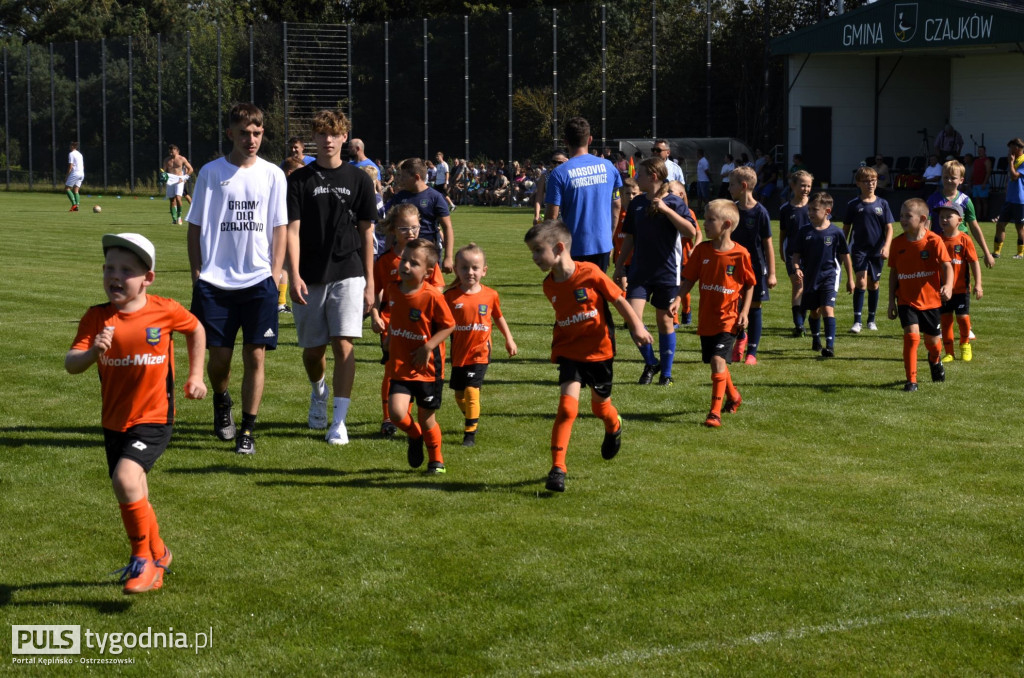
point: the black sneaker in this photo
(938, 371)
(798, 332)
(435, 468)
(910, 386)
(648, 374)
(828, 352)
(816, 344)
(223, 421)
(388, 430)
(469, 439)
(612, 442)
(665, 381)
(245, 443)
(556, 481)
(414, 453)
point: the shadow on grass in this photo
(383, 478)
(52, 436)
(834, 388)
(8, 594)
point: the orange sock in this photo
(718, 384)
(385, 387)
(964, 323)
(156, 544)
(732, 391)
(686, 303)
(472, 410)
(934, 346)
(432, 439)
(136, 519)
(460, 400)
(910, 344)
(607, 413)
(568, 407)
(411, 428)
(947, 332)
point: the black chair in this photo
(917, 164)
(902, 165)
(998, 178)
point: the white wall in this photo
(988, 99)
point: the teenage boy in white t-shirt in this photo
(236, 247)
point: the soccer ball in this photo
(97, 209)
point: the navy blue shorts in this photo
(602, 260)
(865, 261)
(596, 375)
(222, 312)
(660, 296)
(427, 394)
(142, 443)
(812, 300)
(467, 375)
(927, 321)
(717, 345)
(960, 304)
(761, 292)
(1012, 213)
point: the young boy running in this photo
(583, 344)
(920, 279)
(419, 324)
(964, 259)
(792, 218)
(475, 308)
(754, 233)
(655, 223)
(868, 228)
(129, 340)
(816, 255)
(727, 280)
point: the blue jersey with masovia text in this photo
(869, 221)
(753, 228)
(820, 251)
(657, 245)
(583, 187)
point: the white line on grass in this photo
(626, 657)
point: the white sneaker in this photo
(338, 434)
(318, 408)
(970, 335)
(873, 327)
(857, 327)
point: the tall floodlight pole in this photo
(131, 118)
(159, 98)
(28, 108)
(604, 76)
(465, 77)
(707, 86)
(654, 68)
(426, 82)
(508, 167)
(387, 94)
(53, 120)
(554, 78)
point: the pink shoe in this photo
(751, 360)
(739, 348)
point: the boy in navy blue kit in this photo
(868, 228)
(435, 217)
(816, 255)
(754, 233)
(792, 218)
(654, 223)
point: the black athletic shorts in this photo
(928, 321)
(960, 304)
(596, 375)
(143, 444)
(467, 375)
(427, 394)
(717, 345)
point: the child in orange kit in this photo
(474, 307)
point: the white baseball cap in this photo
(138, 244)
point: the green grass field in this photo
(834, 526)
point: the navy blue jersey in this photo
(869, 220)
(754, 227)
(791, 220)
(657, 245)
(432, 207)
(820, 251)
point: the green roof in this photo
(898, 25)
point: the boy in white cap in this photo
(129, 339)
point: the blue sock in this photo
(815, 325)
(830, 331)
(647, 351)
(872, 304)
(667, 350)
(858, 304)
(754, 332)
(798, 317)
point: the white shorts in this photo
(176, 185)
(331, 310)
(74, 180)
